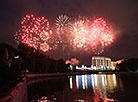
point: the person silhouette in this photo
(6, 74)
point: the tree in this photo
(129, 65)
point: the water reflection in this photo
(45, 99)
(79, 88)
(99, 83)
(94, 81)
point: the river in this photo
(86, 88)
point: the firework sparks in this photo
(85, 34)
(93, 35)
(102, 34)
(34, 32)
(80, 33)
(62, 23)
(63, 31)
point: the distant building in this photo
(102, 63)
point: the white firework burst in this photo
(62, 23)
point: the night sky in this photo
(121, 14)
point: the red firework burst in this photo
(93, 35)
(35, 32)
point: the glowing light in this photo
(62, 23)
(35, 32)
(63, 33)
(77, 82)
(70, 82)
(63, 30)
(83, 82)
(92, 35)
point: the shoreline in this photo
(31, 78)
(53, 75)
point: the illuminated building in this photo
(99, 63)
(102, 63)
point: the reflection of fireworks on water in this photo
(93, 35)
(35, 32)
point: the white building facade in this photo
(102, 63)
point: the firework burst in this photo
(62, 23)
(102, 35)
(92, 35)
(63, 30)
(35, 32)
(84, 34)
(80, 31)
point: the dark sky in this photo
(122, 14)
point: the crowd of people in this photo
(10, 71)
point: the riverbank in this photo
(19, 92)
(32, 78)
